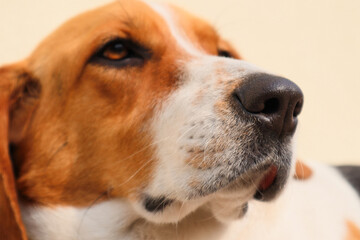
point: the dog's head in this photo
(145, 103)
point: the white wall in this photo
(315, 43)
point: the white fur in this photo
(176, 32)
(109, 220)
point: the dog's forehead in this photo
(169, 33)
(191, 33)
(154, 25)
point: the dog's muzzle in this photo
(273, 103)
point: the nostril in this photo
(271, 106)
(297, 108)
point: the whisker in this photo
(144, 148)
(62, 146)
(135, 173)
(130, 20)
(182, 135)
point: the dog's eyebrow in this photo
(129, 21)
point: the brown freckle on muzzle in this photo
(199, 96)
(194, 183)
(199, 159)
(221, 107)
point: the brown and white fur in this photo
(99, 139)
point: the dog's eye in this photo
(115, 52)
(224, 53)
(120, 53)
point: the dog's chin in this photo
(166, 210)
(226, 203)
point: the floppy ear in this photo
(19, 94)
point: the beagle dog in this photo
(136, 120)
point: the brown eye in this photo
(223, 53)
(121, 53)
(115, 52)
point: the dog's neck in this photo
(113, 219)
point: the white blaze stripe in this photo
(179, 35)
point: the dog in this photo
(136, 120)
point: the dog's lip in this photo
(267, 183)
(268, 178)
(156, 204)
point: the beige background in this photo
(316, 43)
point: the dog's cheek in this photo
(179, 130)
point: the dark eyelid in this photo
(141, 52)
(225, 53)
(126, 42)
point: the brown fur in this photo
(11, 226)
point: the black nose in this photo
(274, 101)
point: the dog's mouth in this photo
(269, 181)
(266, 188)
(249, 166)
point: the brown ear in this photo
(19, 93)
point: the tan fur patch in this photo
(353, 231)
(302, 171)
(200, 162)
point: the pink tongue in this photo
(268, 178)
